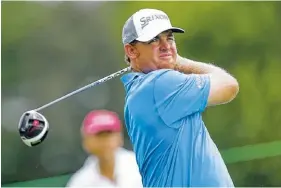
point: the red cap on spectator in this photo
(101, 120)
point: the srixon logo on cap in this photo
(145, 20)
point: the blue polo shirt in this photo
(164, 122)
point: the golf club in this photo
(33, 126)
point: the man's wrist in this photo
(183, 65)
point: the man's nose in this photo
(164, 45)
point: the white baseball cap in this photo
(146, 24)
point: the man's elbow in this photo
(232, 89)
(223, 90)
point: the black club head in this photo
(33, 128)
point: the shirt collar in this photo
(129, 77)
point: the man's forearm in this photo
(224, 87)
(188, 66)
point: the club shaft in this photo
(113, 75)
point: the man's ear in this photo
(131, 51)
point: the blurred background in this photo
(52, 48)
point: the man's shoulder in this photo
(151, 75)
(143, 87)
(148, 80)
(144, 79)
(163, 76)
(158, 73)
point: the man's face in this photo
(103, 143)
(159, 53)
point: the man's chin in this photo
(167, 64)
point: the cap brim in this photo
(149, 36)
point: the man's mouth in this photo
(166, 55)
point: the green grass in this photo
(232, 155)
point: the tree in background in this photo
(61, 45)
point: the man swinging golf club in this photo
(165, 97)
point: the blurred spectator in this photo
(108, 164)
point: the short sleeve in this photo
(178, 95)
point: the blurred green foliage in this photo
(244, 38)
(54, 46)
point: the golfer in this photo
(165, 97)
(108, 164)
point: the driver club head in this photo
(33, 128)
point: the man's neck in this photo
(107, 167)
